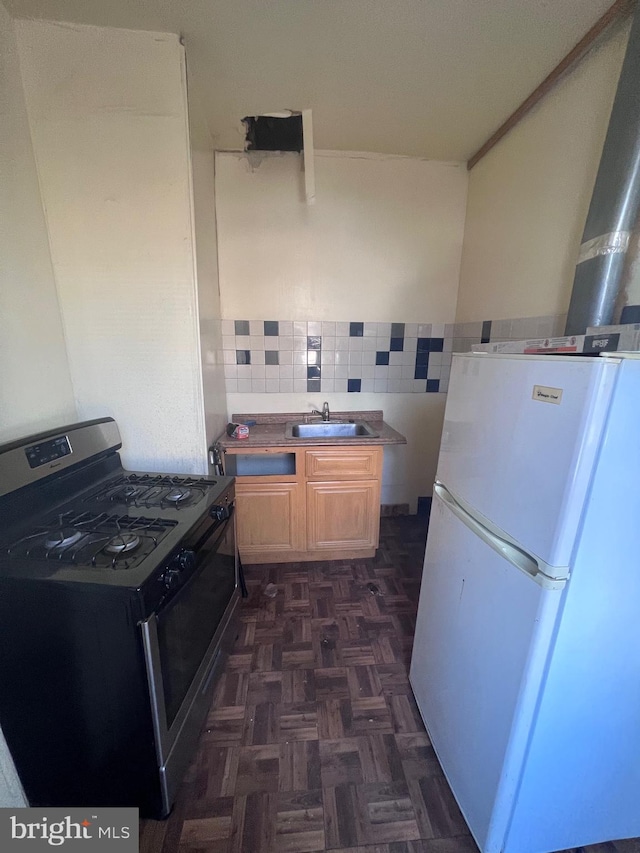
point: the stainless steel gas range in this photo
(117, 596)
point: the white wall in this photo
(529, 197)
(108, 117)
(382, 243)
(35, 385)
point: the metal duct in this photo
(614, 204)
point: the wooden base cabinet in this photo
(328, 510)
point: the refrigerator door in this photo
(482, 640)
(519, 442)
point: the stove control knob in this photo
(170, 578)
(184, 561)
(219, 512)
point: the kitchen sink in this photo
(330, 429)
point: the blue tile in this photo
(356, 330)
(397, 330)
(243, 356)
(436, 344)
(314, 342)
(382, 357)
(353, 384)
(313, 386)
(423, 344)
(313, 371)
(433, 384)
(424, 505)
(422, 358)
(486, 332)
(420, 372)
(242, 327)
(397, 344)
(271, 356)
(271, 328)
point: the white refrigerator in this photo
(526, 659)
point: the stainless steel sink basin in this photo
(330, 429)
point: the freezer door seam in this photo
(523, 561)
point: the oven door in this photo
(182, 642)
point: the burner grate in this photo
(153, 490)
(92, 540)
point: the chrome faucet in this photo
(324, 413)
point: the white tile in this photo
(433, 371)
(448, 330)
(447, 345)
(328, 343)
(342, 371)
(272, 386)
(396, 386)
(285, 327)
(257, 371)
(437, 330)
(369, 344)
(380, 385)
(367, 384)
(300, 386)
(410, 345)
(285, 357)
(244, 371)
(244, 386)
(256, 327)
(369, 357)
(300, 357)
(419, 384)
(285, 342)
(341, 357)
(256, 342)
(328, 371)
(384, 330)
(355, 357)
(355, 371)
(286, 386)
(445, 360)
(355, 344)
(444, 386)
(313, 356)
(327, 384)
(396, 358)
(408, 358)
(257, 356)
(231, 371)
(258, 386)
(242, 342)
(342, 329)
(424, 330)
(229, 356)
(327, 357)
(328, 330)
(299, 343)
(228, 327)
(381, 371)
(408, 371)
(340, 385)
(272, 371)
(383, 344)
(368, 371)
(300, 328)
(300, 371)
(395, 371)
(435, 358)
(229, 342)
(231, 385)
(286, 371)
(411, 330)
(407, 385)
(370, 330)
(314, 327)
(342, 343)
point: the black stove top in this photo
(153, 490)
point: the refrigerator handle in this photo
(523, 561)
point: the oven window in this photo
(187, 624)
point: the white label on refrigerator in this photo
(545, 394)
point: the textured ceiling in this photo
(431, 78)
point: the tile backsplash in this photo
(284, 356)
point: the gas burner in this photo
(62, 538)
(122, 543)
(177, 495)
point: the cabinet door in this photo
(343, 514)
(344, 463)
(270, 517)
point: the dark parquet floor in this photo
(314, 741)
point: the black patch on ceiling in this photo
(265, 133)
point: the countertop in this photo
(269, 431)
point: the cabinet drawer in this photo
(337, 463)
